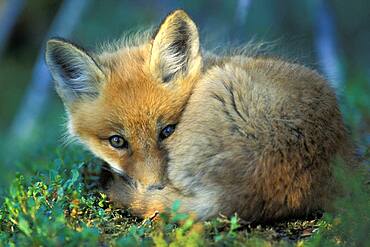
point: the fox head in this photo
(123, 104)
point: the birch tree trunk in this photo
(326, 45)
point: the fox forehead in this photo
(130, 98)
(131, 91)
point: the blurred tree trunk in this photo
(241, 11)
(326, 45)
(238, 32)
(8, 18)
(38, 91)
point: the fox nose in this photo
(158, 186)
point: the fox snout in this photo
(139, 185)
(148, 184)
(146, 172)
(150, 180)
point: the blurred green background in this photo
(330, 36)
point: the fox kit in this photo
(222, 134)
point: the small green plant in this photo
(42, 214)
(350, 224)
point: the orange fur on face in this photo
(130, 91)
(134, 104)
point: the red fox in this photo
(222, 134)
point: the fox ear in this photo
(76, 74)
(175, 48)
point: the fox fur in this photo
(254, 135)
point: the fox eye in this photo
(167, 131)
(117, 141)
